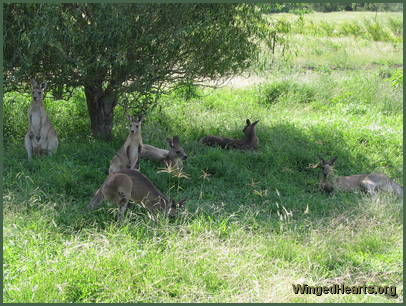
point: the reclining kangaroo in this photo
(175, 156)
(125, 185)
(41, 137)
(127, 156)
(248, 142)
(369, 183)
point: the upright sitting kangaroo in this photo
(175, 156)
(127, 156)
(41, 136)
(369, 183)
(125, 185)
(248, 142)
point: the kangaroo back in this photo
(369, 183)
(248, 142)
(127, 184)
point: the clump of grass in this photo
(375, 31)
(285, 91)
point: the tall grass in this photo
(325, 41)
(388, 27)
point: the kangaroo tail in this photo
(397, 189)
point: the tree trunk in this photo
(100, 106)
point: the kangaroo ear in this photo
(129, 118)
(175, 140)
(43, 85)
(333, 160)
(182, 202)
(248, 122)
(255, 122)
(34, 83)
(140, 117)
(322, 159)
(170, 142)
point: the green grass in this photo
(254, 227)
(344, 41)
(383, 26)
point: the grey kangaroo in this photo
(248, 142)
(125, 185)
(127, 156)
(41, 137)
(369, 183)
(175, 156)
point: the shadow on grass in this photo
(238, 183)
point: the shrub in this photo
(287, 90)
(397, 79)
(376, 31)
(351, 29)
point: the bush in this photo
(287, 90)
(397, 79)
(376, 31)
(351, 29)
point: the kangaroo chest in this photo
(131, 149)
(36, 119)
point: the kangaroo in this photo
(125, 185)
(127, 156)
(248, 142)
(175, 156)
(369, 183)
(41, 137)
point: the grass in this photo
(325, 41)
(255, 222)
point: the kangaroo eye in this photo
(177, 152)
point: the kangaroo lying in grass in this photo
(41, 137)
(175, 156)
(248, 142)
(369, 183)
(127, 156)
(125, 185)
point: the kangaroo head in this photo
(174, 207)
(249, 129)
(135, 124)
(176, 151)
(38, 90)
(327, 166)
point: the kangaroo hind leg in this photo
(28, 146)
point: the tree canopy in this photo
(111, 49)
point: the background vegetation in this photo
(114, 49)
(255, 222)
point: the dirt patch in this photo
(238, 81)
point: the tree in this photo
(112, 49)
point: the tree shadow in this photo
(275, 179)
